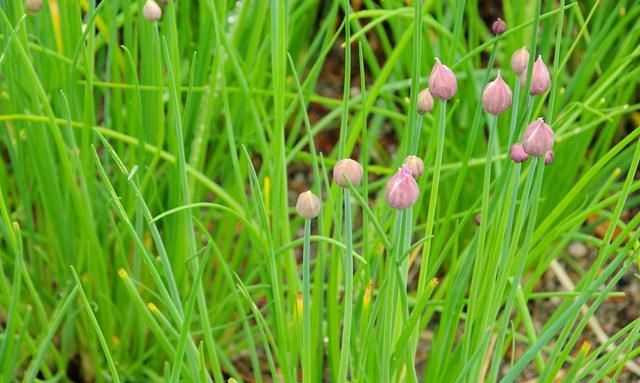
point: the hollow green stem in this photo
(307, 352)
(522, 214)
(433, 198)
(528, 323)
(431, 215)
(348, 290)
(388, 315)
(483, 264)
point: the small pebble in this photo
(577, 249)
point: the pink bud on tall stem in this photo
(308, 205)
(520, 60)
(425, 101)
(442, 82)
(498, 27)
(402, 190)
(548, 157)
(33, 6)
(415, 164)
(496, 97)
(347, 169)
(517, 153)
(538, 138)
(151, 11)
(540, 78)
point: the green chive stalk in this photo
(348, 290)
(390, 299)
(521, 261)
(433, 201)
(433, 198)
(307, 351)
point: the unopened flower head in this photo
(548, 157)
(33, 6)
(517, 153)
(308, 205)
(347, 169)
(151, 11)
(442, 82)
(540, 78)
(402, 190)
(496, 97)
(520, 60)
(498, 27)
(415, 164)
(538, 138)
(425, 102)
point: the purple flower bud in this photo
(347, 169)
(518, 154)
(308, 205)
(442, 82)
(425, 102)
(415, 164)
(496, 97)
(540, 78)
(402, 190)
(548, 157)
(151, 11)
(520, 60)
(538, 138)
(498, 27)
(33, 6)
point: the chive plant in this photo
(152, 152)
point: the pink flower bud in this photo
(416, 166)
(402, 190)
(540, 79)
(548, 157)
(33, 6)
(151, 11)
(442, 82)
(520, 60)
(538, 138)
(478, 219)
(496, 97)
(518, 154)
(308, 205)
(498, 27)
(347, 169)
(425, 102)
